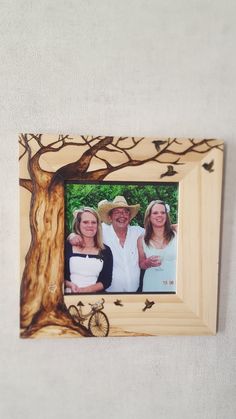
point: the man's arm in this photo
(75, 239)
(175, 227)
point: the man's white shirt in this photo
(126, 271)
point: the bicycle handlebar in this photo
(98, 305)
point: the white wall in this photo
(125, 67)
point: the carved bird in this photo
(118, 303)
(148, 304)
(158, 143)
(170, 171)
(209, 166)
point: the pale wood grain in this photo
(193, 310)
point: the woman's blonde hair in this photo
(98, 239)
(168, 230)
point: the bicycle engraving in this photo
(98, 323)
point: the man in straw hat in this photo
(121, 237)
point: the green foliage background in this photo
(79, 195)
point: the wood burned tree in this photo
(42, 302)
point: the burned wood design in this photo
(42, 300)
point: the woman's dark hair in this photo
(168, 230)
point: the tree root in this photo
(59, 318)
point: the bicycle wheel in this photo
(74, 312)
(98, 324)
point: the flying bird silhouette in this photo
(170, 171)
(158, 144)
(209, 166)
(80, 304)
(118, 303)
(148, 304)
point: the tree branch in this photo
(24, 141)
(109, 166)
(62, 139)
(37, 138)
(120, 139)
(80, 166)
(27, 184)
(193, 148)
(25, 149)
(134, 143)
(100, 174)
(78, 169)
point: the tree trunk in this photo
(42, 300)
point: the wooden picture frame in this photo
(46, 161)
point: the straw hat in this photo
(104, 208)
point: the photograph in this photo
(120, 237)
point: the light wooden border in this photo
(195, 163)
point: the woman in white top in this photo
(88, 266)
(157, 249)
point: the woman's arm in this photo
(105, 276)
(91, 288)
(68, 284)
(144, 262)
(98, 287)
